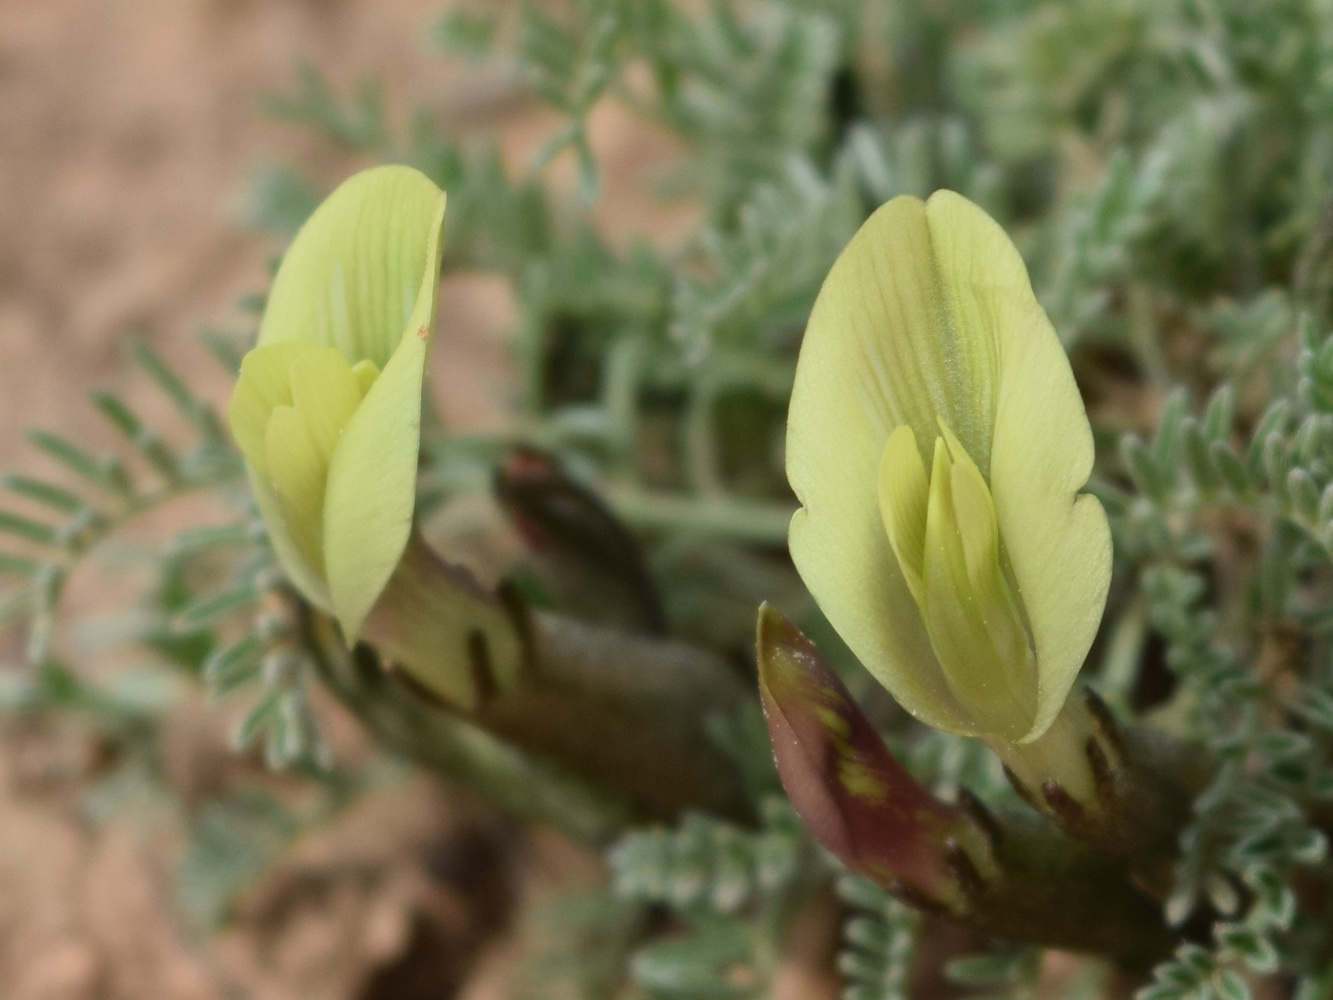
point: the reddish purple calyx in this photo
(857, 800)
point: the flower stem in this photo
(1125, 791)
(628, 712)
(1058, 756)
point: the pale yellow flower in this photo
(937, 443)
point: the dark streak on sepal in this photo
(1023, 791)
(982, 817)
(1063, 805)
(907, 893)
(368, 663)
(1102, 775)
(413, 686)
(1106, 724)
(484, 685)
(964, 870)
(520, 614)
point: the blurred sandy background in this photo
(127, 128)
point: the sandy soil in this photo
(126, 132)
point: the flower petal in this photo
(366, 372)
(928, 314)
(307, 578)
(359, 278)
(300, 440)
(958, 623)
(297, 471)
(352, 275)
(903, 492)
(373, 473)
(327, 393)
(1057, 542)
(263, 385)
(892, 339)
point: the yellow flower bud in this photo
(937, 443)
(327, 409)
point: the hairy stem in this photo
(628, 712)
(1054, 892)
(1126, 791)
(444, 742)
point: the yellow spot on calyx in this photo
(857, 780)
(853, 775)
(944, 535)
(833, 722)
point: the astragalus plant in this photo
(995, 381)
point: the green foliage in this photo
(359, 124)
(584, 942)
(207, 579)
(729, 889)
(103, 492)
(707, 866)
(879, 940)
(1245, 684)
